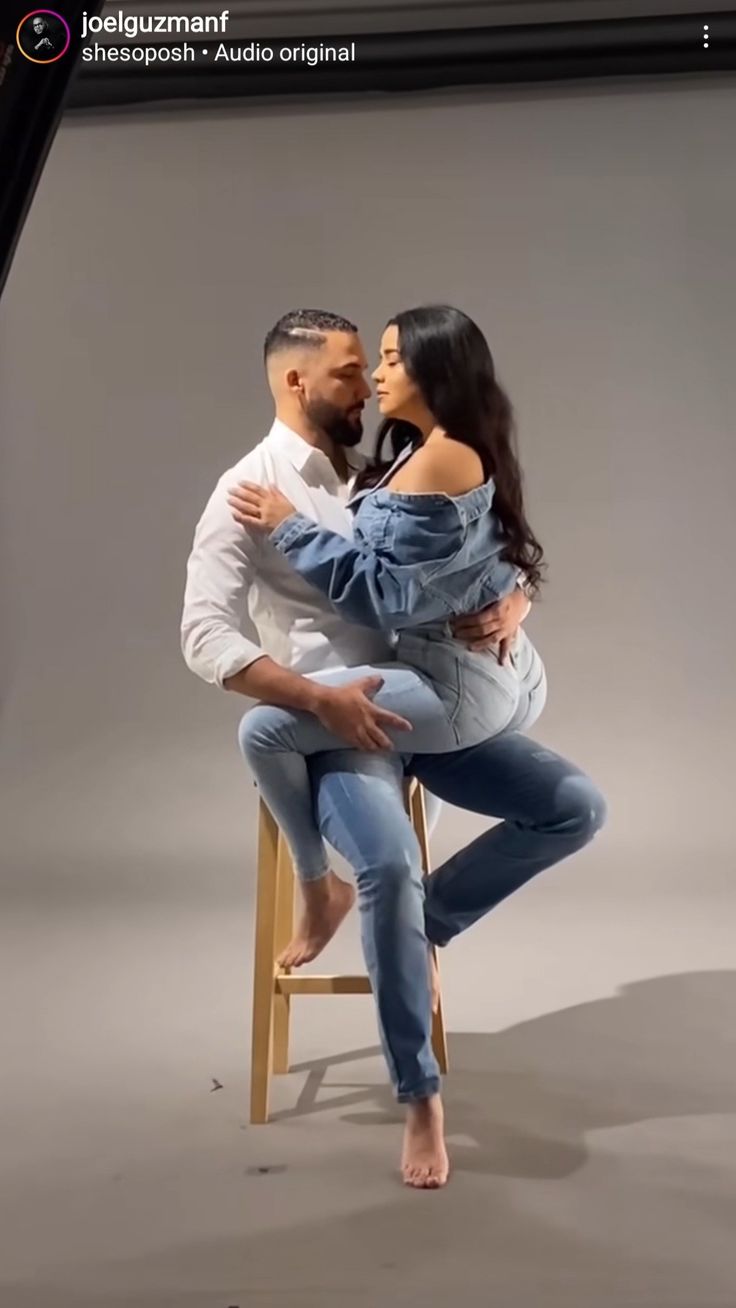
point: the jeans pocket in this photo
(437, 658)
(537, 697)
(533, 696)
(489, 698)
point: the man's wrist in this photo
(267, 681)
(319, 698)
(314, 697)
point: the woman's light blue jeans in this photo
(276, 742)
(548, 810)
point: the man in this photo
(43, 43)
(316, 371)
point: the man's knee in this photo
(385, 872)
(381, 848)
(582, 809)
(360, 808)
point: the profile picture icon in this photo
(43, 36)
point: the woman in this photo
(439, 530)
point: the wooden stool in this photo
(274, 987)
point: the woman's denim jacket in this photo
(413, 558)
(414, 562)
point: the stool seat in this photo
(273, 986)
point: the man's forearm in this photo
(268, 681)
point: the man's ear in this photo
(293, 380)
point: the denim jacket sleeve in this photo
(367, 583)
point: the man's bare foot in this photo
(434, 979)
(326, 902)
(424, 1162)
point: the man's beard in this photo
(335, 423)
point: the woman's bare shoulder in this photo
(446, 467)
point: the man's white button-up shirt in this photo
(232, 574)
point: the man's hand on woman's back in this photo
(494, 626)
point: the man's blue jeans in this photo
(549, 810)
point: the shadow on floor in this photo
(527, 1096)
(626, 1231)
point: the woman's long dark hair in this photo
(448, 358)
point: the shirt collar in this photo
(299, 452)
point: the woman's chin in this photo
(386, 408)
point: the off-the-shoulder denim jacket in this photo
(413, 559)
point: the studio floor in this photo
(591, 1106)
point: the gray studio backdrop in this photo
(589, 230)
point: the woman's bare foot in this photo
(434, 979)
(424, 1162)
(326, 902)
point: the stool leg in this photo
(285, 887)
(419, 820)
(439, 1031)
(263, 970)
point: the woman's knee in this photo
(261, 729)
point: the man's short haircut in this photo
(304, 327)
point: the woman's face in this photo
(398, 396)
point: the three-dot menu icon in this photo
(705, 36)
